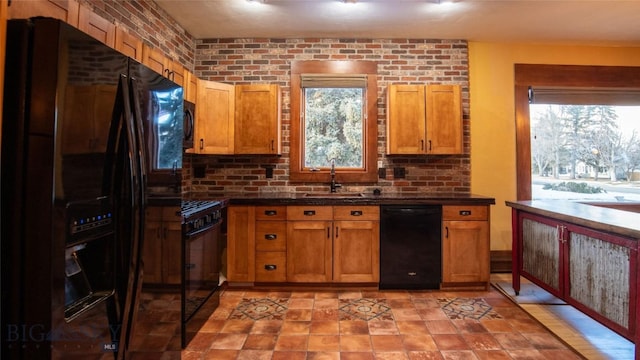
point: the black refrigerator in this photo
(83, 129)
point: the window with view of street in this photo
(585, 152)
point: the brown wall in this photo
(239, 61)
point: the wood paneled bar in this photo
(585, 253)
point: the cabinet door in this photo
(191, 87)
(155, 59)
(465, 251)
(177, 73)
(128, 44)
(172, 252)
(406, 119)
(541, 251)
(214, 118)
(257, 119)
(64, 10)
(97, 26)
(356, 251)
(241, 244)
(309, 251)
(601, 269)
(152, 246)
(444, 119)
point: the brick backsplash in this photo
(408, 61)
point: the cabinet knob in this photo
(270, 267)
(270, 236)
(271, 212)
(356, 213)
(465, 212)
(309, 212)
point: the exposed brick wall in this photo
(406, 61)
(152, 24)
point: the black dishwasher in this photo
(410, 246)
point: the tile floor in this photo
(352, 325)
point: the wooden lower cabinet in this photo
(341, 244)
(465, 246)
(162, 246)
(303, 244)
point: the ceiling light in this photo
(350, 1)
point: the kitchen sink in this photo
(334, 195)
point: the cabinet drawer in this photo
(271, 235)
(271, 266)
(356, 213)
(311, 212)
(465, 213)
(271, 212)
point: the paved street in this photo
(618, 191)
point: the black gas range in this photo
(198, 215)
(202, 259)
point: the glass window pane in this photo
(585, 152)
(333, 120)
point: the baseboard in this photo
(501, 261)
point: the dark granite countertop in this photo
(357, 198)
(625, 223)
(273, 198)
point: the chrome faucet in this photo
(334, 185)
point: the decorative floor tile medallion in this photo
(365, 309)
(260, 309)
(467, 308)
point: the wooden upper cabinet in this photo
(444, 119)
(257, 119)
(191, 87)
(406, 119)
(214, 130)
(65, 10)
(176, 73)
(155, 59)
(128, 44)
(97, 26)
(424, 119)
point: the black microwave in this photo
(189, 122)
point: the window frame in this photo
(527, 75)
(297, 171)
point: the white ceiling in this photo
(584, 22)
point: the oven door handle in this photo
(200, 231)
